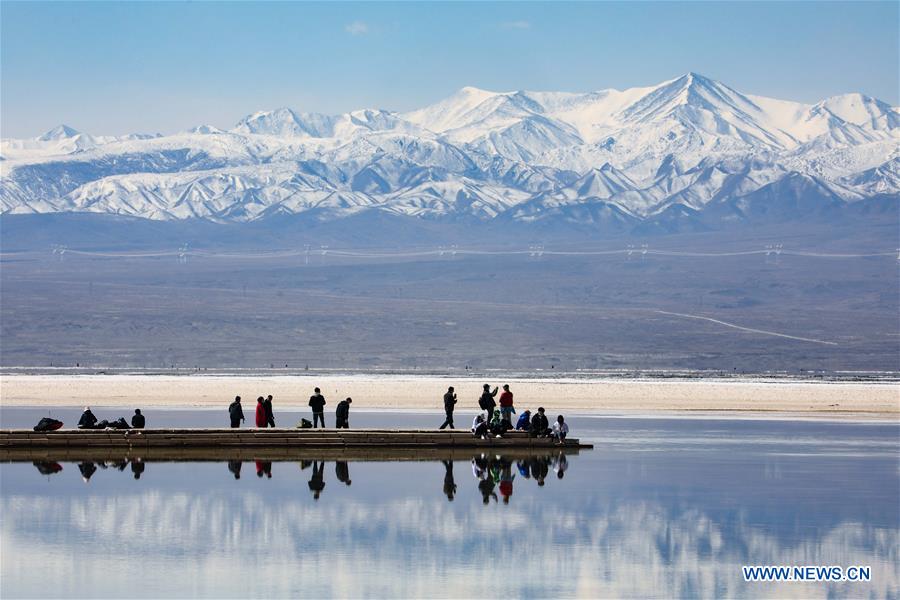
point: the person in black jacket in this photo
(317, 403)
(270, 416)
(138, 421)
(449, 404)
(87, 420)
(540, 426)
(236, 412)
(342, 414)
(487, 403)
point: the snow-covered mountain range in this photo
(686, 150)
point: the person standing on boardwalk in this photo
(236, 412)
(506, 406)
(270, 416)
(261, 420)
(449, 403)
(486, 402)
(342, 414)
(138, 421)
(317, 403)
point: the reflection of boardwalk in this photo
(352, 454)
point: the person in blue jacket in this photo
(524, 422)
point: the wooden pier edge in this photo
(208, 444)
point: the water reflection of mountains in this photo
(493, 472)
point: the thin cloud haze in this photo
(357, 28)
(515, 25)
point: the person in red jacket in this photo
(261, 417)
(506, 407)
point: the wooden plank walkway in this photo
(20, 444)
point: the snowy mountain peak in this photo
(205, 130)
(605, 156)
(58, 133)
(857, 109)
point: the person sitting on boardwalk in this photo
(486, 402)
(236, 412)
(498, 425)
(449, 404)
(270, 416)
(261, 420)
(87, 420)
(540, 427)
(138, 421)
(317, 403)
(342, 414)
(560, 429)
(479, 427)
(524, 422)
(506, 405)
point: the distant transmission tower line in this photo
(531, 251)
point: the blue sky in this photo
(112, 68)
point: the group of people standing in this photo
(496, 419)
(265, 416)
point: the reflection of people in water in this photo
(235, 467)
(486, 487)
(137, 467)
(481, 469)
(87, 469)
(540, 468)
(342, 472)
(264, 467)
(317, 481)
(47, 467)
(506, 479)
(449, 483)
(522, 466)
(560, 464)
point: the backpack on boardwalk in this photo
(48, 424)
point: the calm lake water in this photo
(662, 507)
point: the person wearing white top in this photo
(560, 429)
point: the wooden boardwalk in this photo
(200, 444)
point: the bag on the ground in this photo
(48, 424)
(304, 424)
